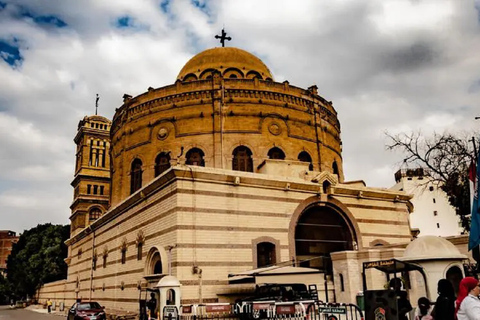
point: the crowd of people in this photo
(466, 306)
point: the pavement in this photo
(111, 314)
(41, 309)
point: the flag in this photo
(472, 174)
(474, 239)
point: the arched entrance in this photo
(319, 231)
(454, 275)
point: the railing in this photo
(291, 310)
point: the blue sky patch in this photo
(202, 5)
(42, 20)
(128, 22)
(10, 53)
(124, 22)
(165, 6)
(50, 20)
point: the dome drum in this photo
(218, 114)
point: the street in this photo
(20, 314)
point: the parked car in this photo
(86, 311)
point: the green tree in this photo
(447, 158)
(38, 258)
(5, 290)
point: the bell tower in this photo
(91, 195)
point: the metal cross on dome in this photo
(223, 37)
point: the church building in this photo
(222, 172)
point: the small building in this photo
(432, 214)
(7, 239)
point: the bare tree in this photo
(447, 157)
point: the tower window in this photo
(94, 214)
(162, 163)
(90, 159)
(195, 157)
(105, 255)
(434, 201)
(430, 188)
(101, 189)
(276, 153)
(435, 213)
(89, 188)
(242, 159)
(438, 225)
(136, 175)
(335, 168)
(95, 189)
(104, 153)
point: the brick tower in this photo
(91, 197)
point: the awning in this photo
(250, 276)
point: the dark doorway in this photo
(320, 231)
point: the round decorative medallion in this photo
(162, 133)
(275, 129)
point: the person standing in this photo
(467, 303)
(423, 310)
(445, 305)
(152, 306)
(49, 305)
(403, 304)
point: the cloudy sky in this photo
(396, 65)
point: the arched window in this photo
(105, 256)
(321, 230)
(325, 186)
(136, 175)
(157, 263)
(305, 157)
(94, 214)
(335, 168)
(162, 163)
(123, 251)
(170, 297)
(195, 157)
(266, 254)
(242, 159)
(276, 153)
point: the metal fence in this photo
(292, 310)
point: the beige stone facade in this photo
(222, 172)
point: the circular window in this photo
(162, 133)
(275, 129)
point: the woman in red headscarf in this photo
(468, 304)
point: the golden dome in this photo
(230, 62)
